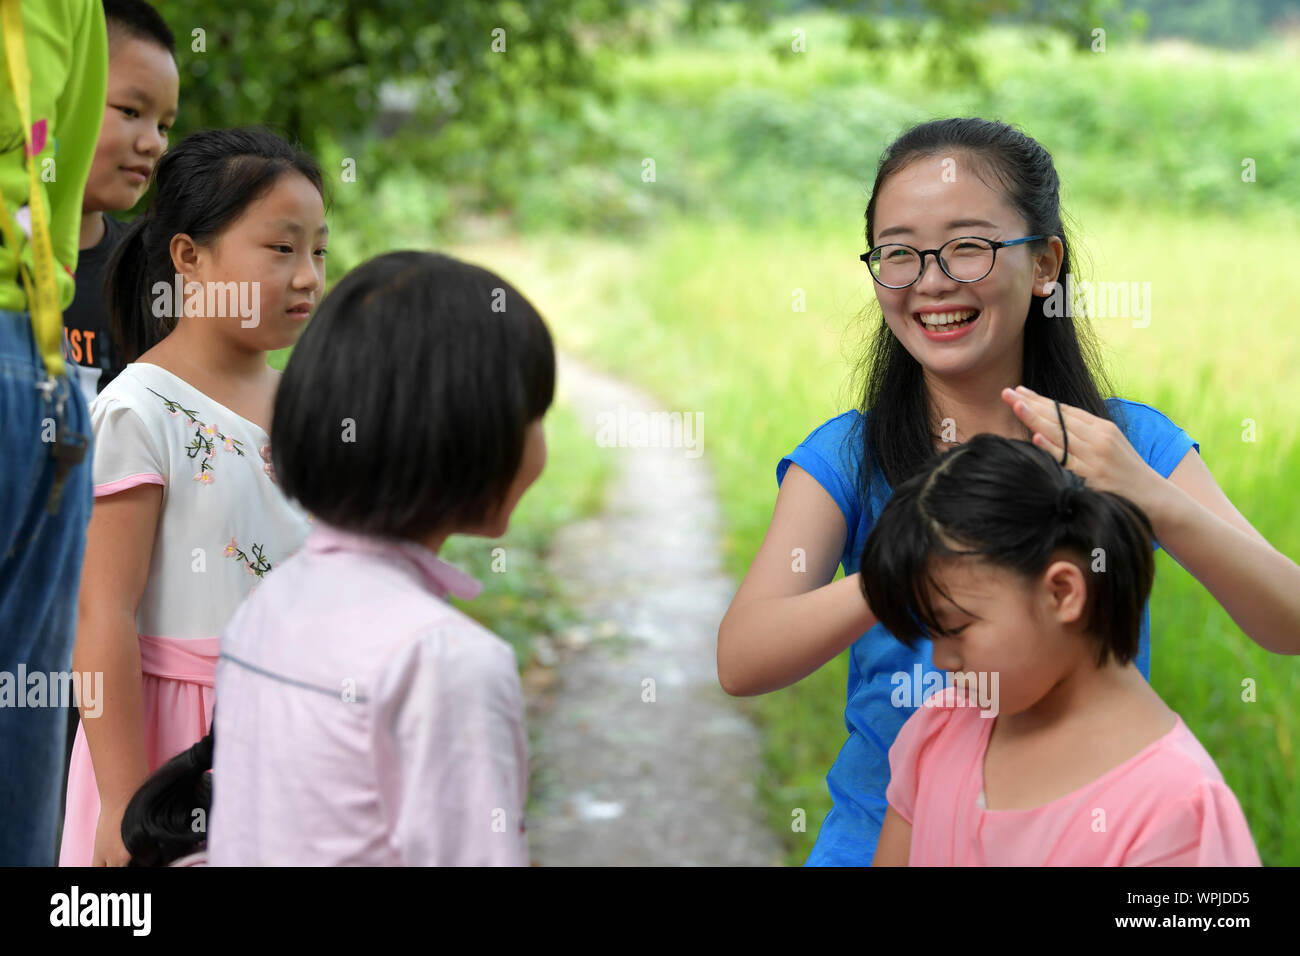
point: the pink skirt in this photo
(178, 675)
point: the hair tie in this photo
(1065, 438)
(1067, 498)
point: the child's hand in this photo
(1098, 451)
(265, 452)
(109, 848)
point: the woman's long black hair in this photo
(1061, 358)
(1011, 504)
(167, 817)
(203, 184)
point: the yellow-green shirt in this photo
(67, 54)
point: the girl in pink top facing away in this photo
(1050, 748)
(224, 268)
(364, 720)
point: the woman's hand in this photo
(109, 848)
(1098, 451)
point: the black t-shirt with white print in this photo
(87, 342)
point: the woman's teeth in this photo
(941, 320)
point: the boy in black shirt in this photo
(143, 85)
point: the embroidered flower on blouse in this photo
(203, 443)
(256, 564)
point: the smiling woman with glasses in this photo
(944, 352)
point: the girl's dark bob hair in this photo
(997, 498)
(404, 408)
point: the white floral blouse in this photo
(224, 523)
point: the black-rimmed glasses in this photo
(896, 265)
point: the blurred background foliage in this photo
(552, 130)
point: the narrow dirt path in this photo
(618, 779)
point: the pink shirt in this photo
(362, 720)
(1165, 806)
